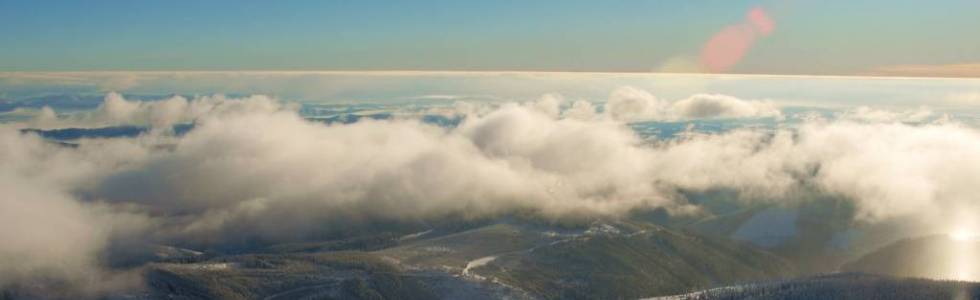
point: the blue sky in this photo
(809, 37)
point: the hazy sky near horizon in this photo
(773, 37)
(371, 87)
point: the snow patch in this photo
(437, 249)
(476, 263)
(602, 229)
(414, 235)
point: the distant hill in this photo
(68, 134)
(937, 256)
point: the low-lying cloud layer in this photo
(254, 169)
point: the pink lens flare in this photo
(727, 47)
(761, 21)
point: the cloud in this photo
(702, 106)
(896, 169)
(549, 104)
(580, 110)
(45, 233)
(116, 110)
(231, 174)
(254, 170)
(632, 104)
(49, 235)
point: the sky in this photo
(908, 38)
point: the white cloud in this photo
(45, 233)
(580, 110)
(513, 158)
(896, 169)
(632, 104)
(701, 106)
(252, 168)
(116, 110)
(50, 235)
(549, 104)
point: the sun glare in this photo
(963, 234)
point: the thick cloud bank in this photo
(254, 169)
